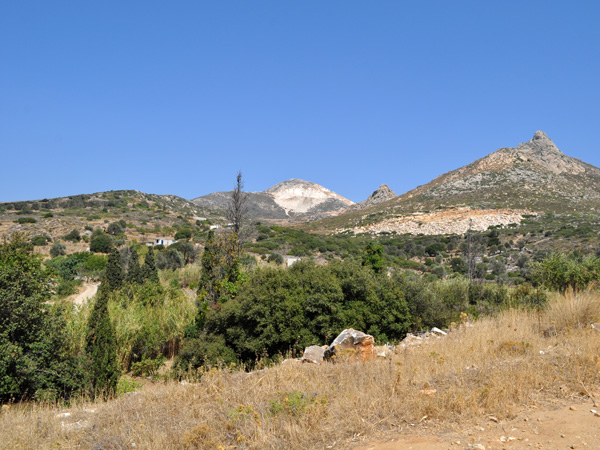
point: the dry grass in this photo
(499, 366)
(574, 309)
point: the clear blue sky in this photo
(176, 97)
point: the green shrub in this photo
(169, 259)
(147, 367)
(561, 271)
(101, 243)
(22, 220)
(207, 350)
(58, 249)
(115, 229)
(184, 233)
(275, 258)
(40, 240)
(73, 235)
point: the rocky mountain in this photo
(534, 175)
(294, 199)
(500, 188)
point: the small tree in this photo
(238, 208)
(101, 243)
(373, 257)
(184, 233)
(101, 347)
(115, 229)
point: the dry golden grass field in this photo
(494, 371)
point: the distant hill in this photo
(147, 215)
(294, 200)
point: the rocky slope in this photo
(294, 199)
(534, 175)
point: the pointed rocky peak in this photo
(382, 194)
(540, 144)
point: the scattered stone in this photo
(65, 414)
(356, 343)
(594, 412)
(493, 419)
(437, 331)
(411, 339)
(572, 408)
(477, 446)
(313, 354)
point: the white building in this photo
(162, 241)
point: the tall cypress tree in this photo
(149, 271)
(101, 347)
(113, 275)
(134, 271)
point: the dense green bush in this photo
(115, 229)
(40, 240)
(101, 243)
(203, 351)
(561, 271)
(73, 235)
(22, 220)
(275, 258)
(278, 310)
(184, 233)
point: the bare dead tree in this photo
(238, 208)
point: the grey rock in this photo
(313, 354)
(362, 344)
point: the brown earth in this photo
(560, 426)
(87, 291)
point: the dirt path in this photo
(89, 290)
(569, 426)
